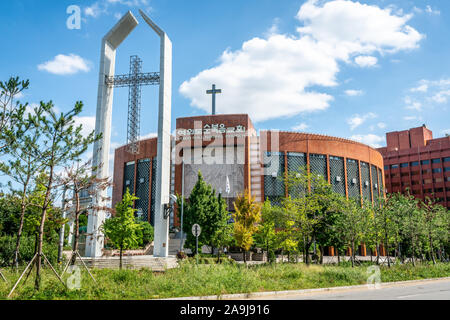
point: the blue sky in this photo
(342, 68)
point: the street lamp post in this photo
(182, 206)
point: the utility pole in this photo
(182, 207)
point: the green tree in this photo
(123, 230)
(308, 206)
(266, 236)
(246, 218)
(338, 227)
(223, 238)
(205, 209)
(12, 112)
(22, 168)
(60, 143)
(434, 226)
(353, 221)
(385, 219)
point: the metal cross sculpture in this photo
(214, 91)
(134, 80)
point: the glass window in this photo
(447, 169)
(414, 163)
(404, 165)
(425, 162)
(447, 159)
(437, 170)
(394, 166)
(386, 167)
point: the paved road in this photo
(427, 290)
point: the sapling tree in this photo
(22, 167)
(60, 143)
(433, 222)
(308, 205)
(123, 230)
(77, 178)
(246, 218)
(353, 221)
(266, 236)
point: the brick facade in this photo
(414, 161)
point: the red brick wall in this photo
(148, 150)
(420, 179)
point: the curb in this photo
(251, 295)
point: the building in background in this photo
(414, 161)
(233, 158)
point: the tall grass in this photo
(190, 279)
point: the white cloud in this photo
(412, 118)
(354, 93)
(428, 93)
(431, 11)
(273, 77)
(441, 96)
(265, 76)
(352, 27)
(149, 136)
(366, 61)
(88, 124)
(370, 139)
(357, 120)
(421, 88)
(414, 105)
(300, 127)
(381, 125)
(66, 65)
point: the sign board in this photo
(211, 129)
(196, 230)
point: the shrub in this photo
(27, 249)
(148, 233)
(181, 255)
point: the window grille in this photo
(365, 177)
(142, 188)
(274, 188)
(296, 162)
(128, 178)
(153, 202)
(337, 174)
(353, 179)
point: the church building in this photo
(233, 157)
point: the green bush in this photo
(148, 233)
(26, 251)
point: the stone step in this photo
(137, 262)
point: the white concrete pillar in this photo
(95, 238)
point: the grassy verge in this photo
(210, 279)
